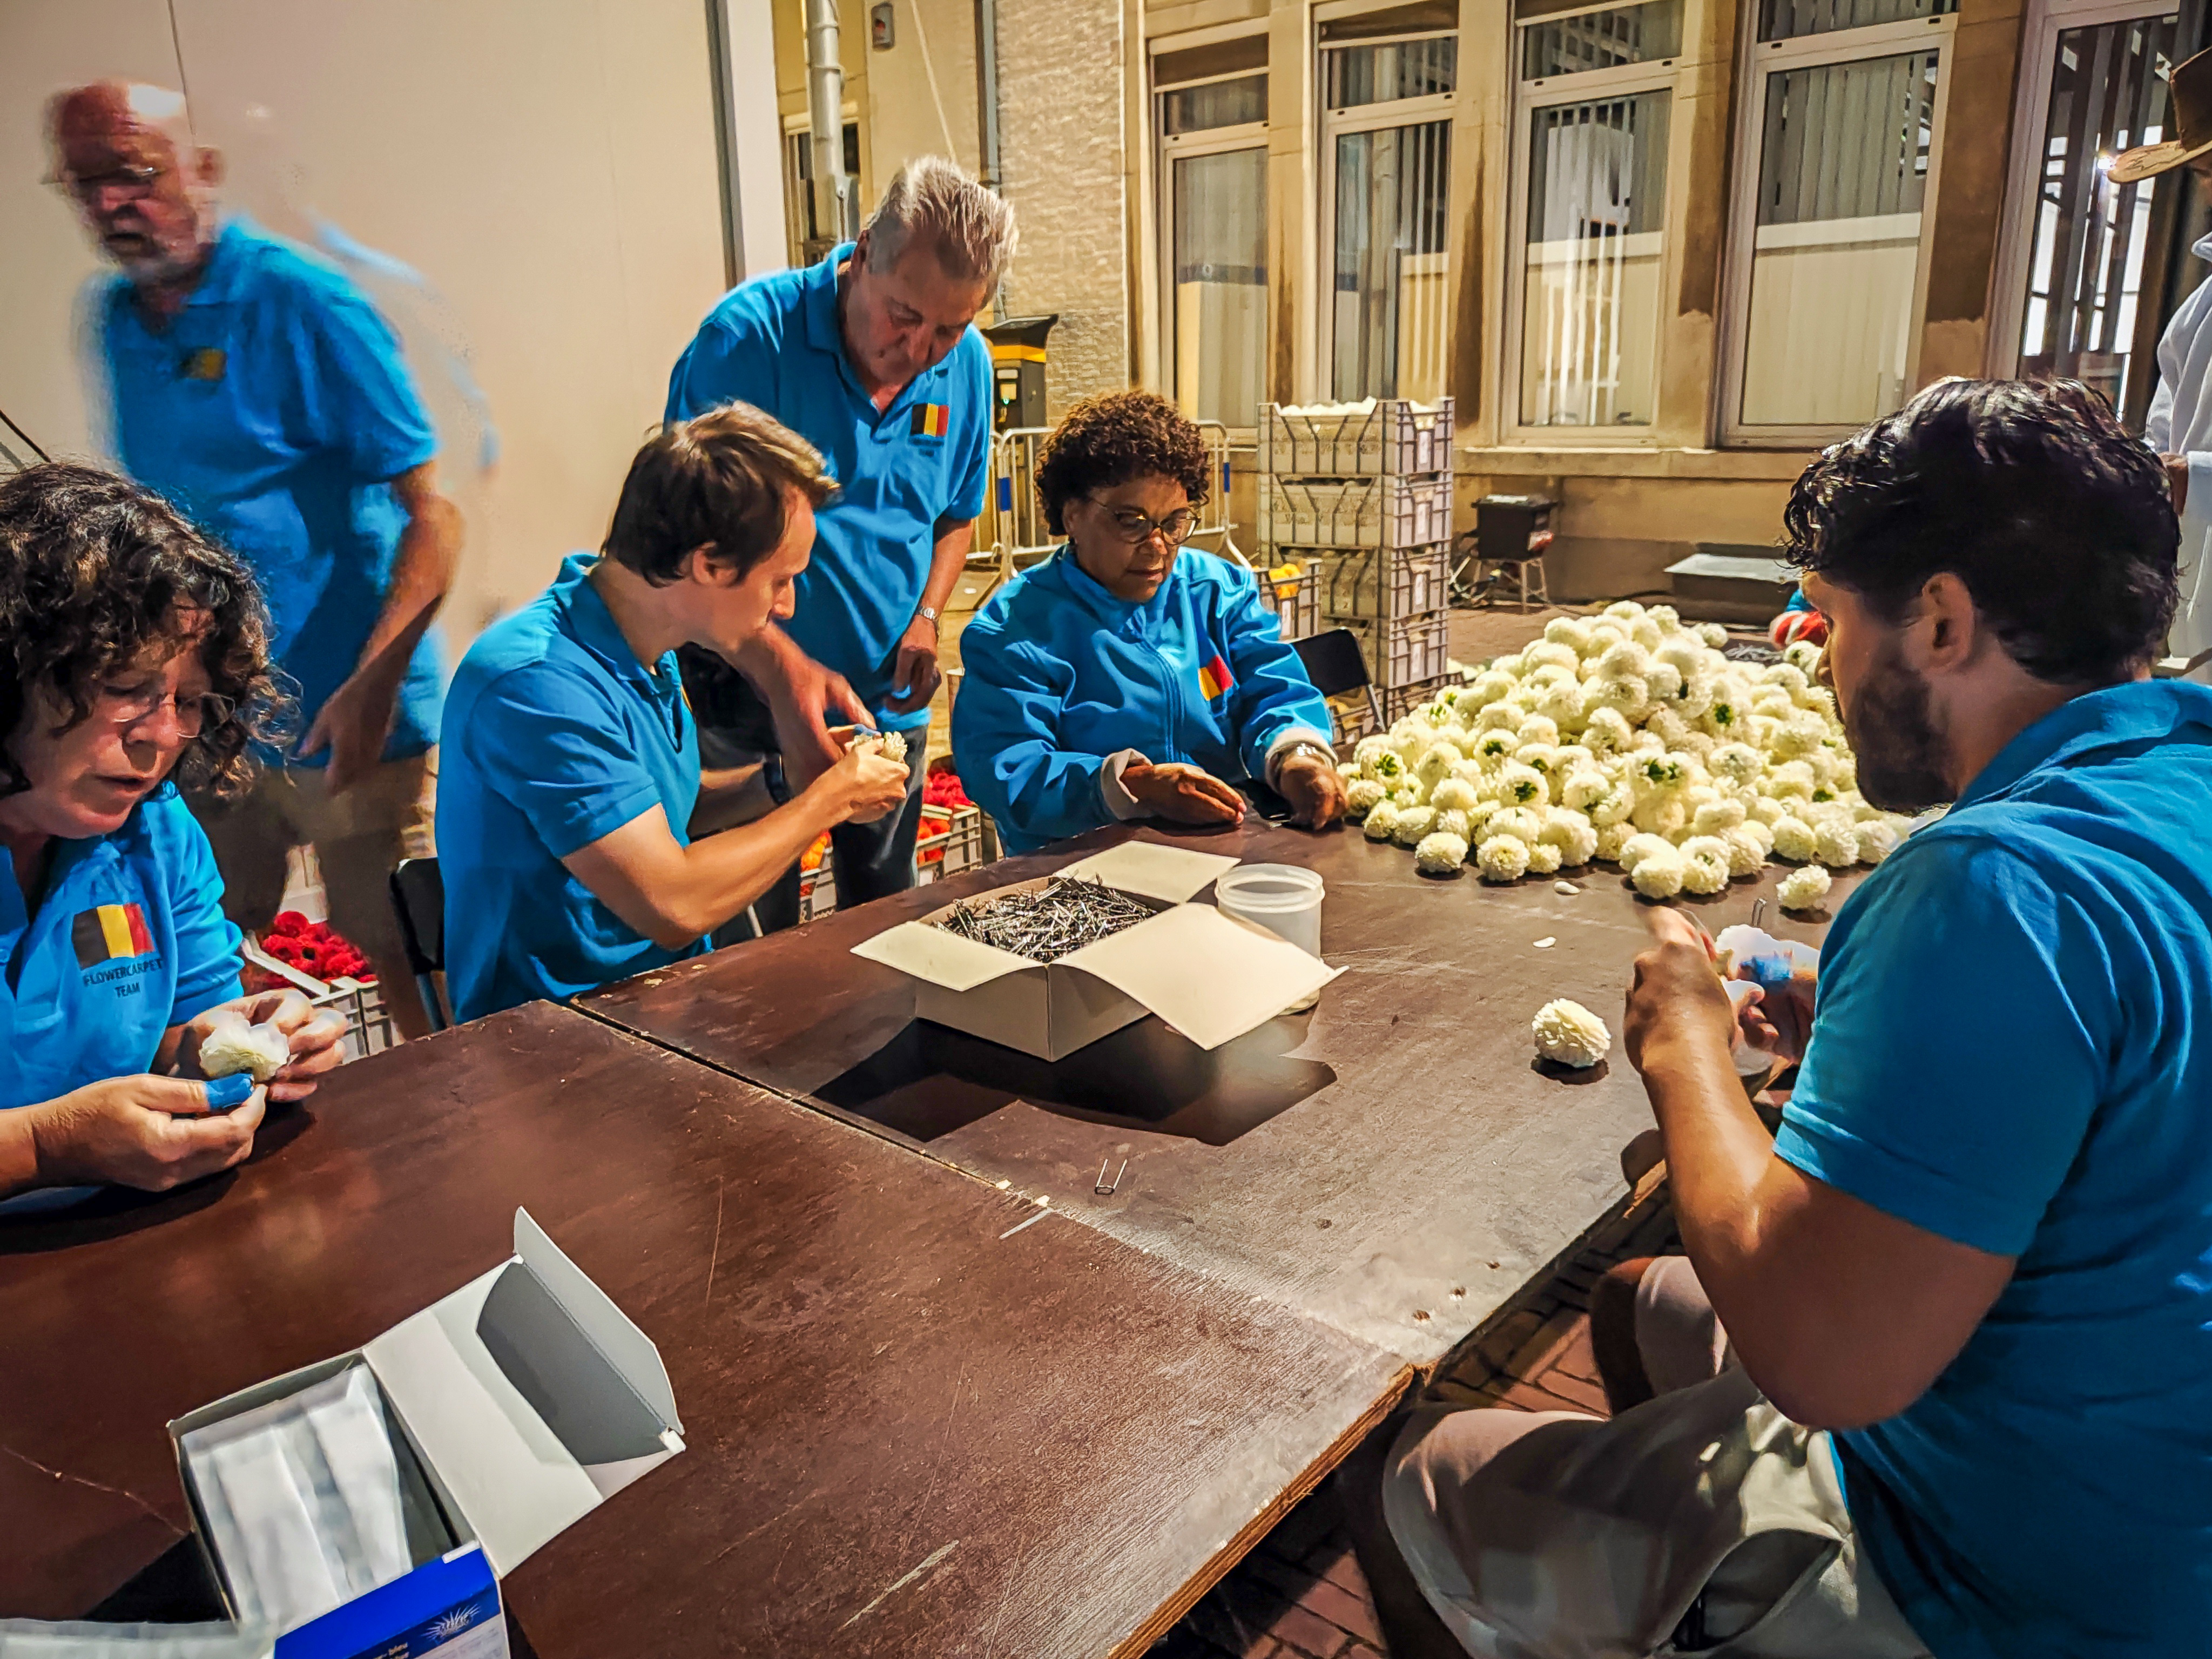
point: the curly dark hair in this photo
(1108, 440)
(2058, 521)
(95, 572)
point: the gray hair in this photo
(971, 228)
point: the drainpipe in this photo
(986, 126)
(825, 121)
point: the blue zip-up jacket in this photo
(1061, 676)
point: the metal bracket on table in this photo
(1105, 1188)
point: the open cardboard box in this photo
(1211, 976)
(525, 1398)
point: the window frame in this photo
(1762, 59)
(1167, 149)
(1550, 92)
(2046, 22)
(1336, 122)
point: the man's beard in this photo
(1900, 757)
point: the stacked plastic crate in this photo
(1363, 492)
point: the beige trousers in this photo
(358, 837)
(1703, 1515)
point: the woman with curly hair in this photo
(1118, 680)
(132, 654)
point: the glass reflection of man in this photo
(252, 383)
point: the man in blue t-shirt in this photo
(1937, 1374)
(580, 840)
(250, 382)
(869, 357)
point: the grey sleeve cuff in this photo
(1119, 801)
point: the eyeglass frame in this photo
(1151, 526)
(86, 187)
(214, 709)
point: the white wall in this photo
(549, 165)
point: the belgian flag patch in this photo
(929, 421)
(110, 932)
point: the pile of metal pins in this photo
(1049, 922)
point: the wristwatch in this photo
(1284, 757)
(923, 611)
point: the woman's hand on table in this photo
(1314, 789)
(1183, 793)
(152, 1133)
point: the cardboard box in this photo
(1209, 976)
(525, 1398)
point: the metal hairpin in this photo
(1049, 922)
(1105, 1188)
(1758, 911)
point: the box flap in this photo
(1170, 874)
(526, 1423)
(1209, 976)
(928, 952)
(623, 1345)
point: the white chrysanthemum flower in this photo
(1362, 797)
(1713, 635)
(1548, 653)
(1877, 840)
(1681, 652)
(1543, 679)
(1508, 664)
(1705, 862)
(1836, 843)
(1413, 823)
(1759, 831)
(1607, 729)
(1386, 768)
(1540, 757)
(1625, 661)
(1614, 806)
(1368, 748)
(1540, 728)
(1665, 771)
(1565, 706)
(1496, 747)
(1611, 839)
(1381, 823)
(1771, 703)
(1640, 846)
(1800, 734)
(1695, 697)
(1645, 633)
(1795, 840)
(1582, 788)
(1502, 858)
(1739, 763)
(231, 1046)
(1436, 764)
(1487, 687)
(1788, 780)
(1440, 853)
(1500, 716)
(1669, 727)
(1569, 631)
(1624, 611)
(1660, 814)
(1408, 794)
(1628, 695)
(1544, 858)
(1665, 682)
(1454, 794)
(1747, 852)
(1713, 817)
(1524, 823)
(1767, 812)
(1818, 700)
(1659, 875)
(1574, 835)
(1521, 785)
(1568, 1034)
(1804, 656)
(1665, 618)
(1791, 677)
(1803, 890)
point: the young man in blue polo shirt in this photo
(869, 357)
(578, 840)
(252, 384)
(1967, 1292)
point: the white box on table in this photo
(525, 1398)
(1209, 976)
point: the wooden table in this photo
(916, 1425)
(1392, 1166)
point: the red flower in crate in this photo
(316, 949)
(944, 789)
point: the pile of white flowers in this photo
(1627, 737)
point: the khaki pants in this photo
(1703, 1515)
(358, 837)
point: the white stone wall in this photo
(1061, 139)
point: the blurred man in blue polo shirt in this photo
(869, 357)
(250, 383)
(1936, 1375)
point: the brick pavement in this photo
(1300, 1595)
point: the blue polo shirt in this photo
(555, 734)
(130, 939)
(775, 343)
(1061, 675)
(2013, 1050)
(273, 410)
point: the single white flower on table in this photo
(1659, 875)
(1361, 798)
(1382, 821)
(1440, 853)
(1568, 1034)
(1803, 890)
(1502, 858)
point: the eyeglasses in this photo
(1133, 526)
(133, 181)
(129, 707)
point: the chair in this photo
(1334, 664)
(419, 893)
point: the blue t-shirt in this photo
(555, 734)
(130, 939)
(273, 410)
(1061, 675)
(774, 342)
(2006, 1053)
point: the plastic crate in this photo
(1357, 512)
(1391, 436)
(1355, 720)
(949, 842)
(1406, 650)
(1385, 582)
(817, 891)
(369, 1030)
(1292, 590)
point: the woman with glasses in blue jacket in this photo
(1120, 679)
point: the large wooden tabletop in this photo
(1392, 1165)
(916, 1425)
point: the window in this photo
(809, 242)
(2092, 83)
(1386, 187)
(1827, 262)
(1593, 103)
(1213, 155)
